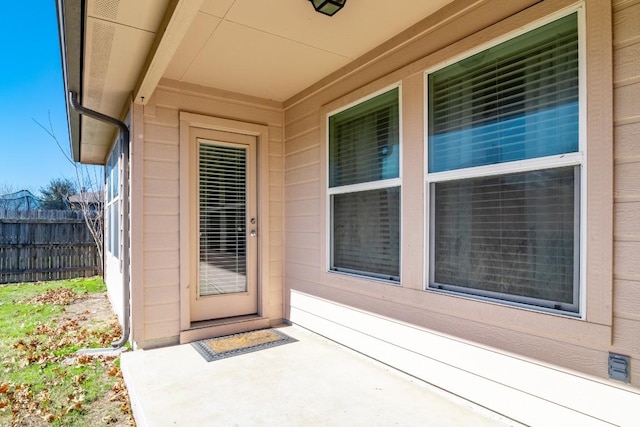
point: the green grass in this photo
(36, 341)
(17, 319)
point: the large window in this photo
(364, 188)
(504, 170)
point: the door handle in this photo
(253, 233)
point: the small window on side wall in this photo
(112, 205)
(504, 171)
(364, 188)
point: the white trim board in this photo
(525, 391)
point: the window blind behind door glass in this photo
(222, 203)
(517, 100)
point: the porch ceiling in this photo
(275, 49)
(268, 49)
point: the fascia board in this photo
(70, 14)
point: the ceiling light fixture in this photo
(328, 7)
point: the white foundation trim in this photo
(526, 391)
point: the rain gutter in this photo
(124, 149)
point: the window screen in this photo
(515, 101)
(112, 207)
(365, 216)
(366, 232)
(364, 142)
(511, 236)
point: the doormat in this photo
(246, 342)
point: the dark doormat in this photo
(246, 342)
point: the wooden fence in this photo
(45, 245)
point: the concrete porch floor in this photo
(312, 382)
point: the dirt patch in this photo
(95, 393)
(92, 311)
(112, 408)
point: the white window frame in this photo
(352, 188)
(578, 158)
(112, 201)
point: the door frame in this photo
(190, 122)
(232, 304)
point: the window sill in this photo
(508, 303)
(556, 325)
(362, 277)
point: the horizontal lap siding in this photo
(161, 224)
(577, 348)
(626, 303)
(302, 201)
(161, 205)
(276, 223)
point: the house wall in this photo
(626, 116)
(113, 280)
(318, 299)
(156, 198)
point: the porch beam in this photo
(177, 19)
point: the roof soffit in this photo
(118, 35)
(270, 50)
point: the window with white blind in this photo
(364, 188)
(504, 170)
(112, 205)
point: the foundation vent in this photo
(619, 367)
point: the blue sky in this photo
(31, 88)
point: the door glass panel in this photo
(222, 215)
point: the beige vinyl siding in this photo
(626, 274)
(276, 222)
(161, 173)
(160, 306)
(302, 196)
(136, 169)
(576, 344)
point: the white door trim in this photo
(189, 121)
(239, 298)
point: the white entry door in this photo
(225, 268)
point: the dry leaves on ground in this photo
(47, 347)
(60, 296)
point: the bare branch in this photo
(88, 185)
(52, 134)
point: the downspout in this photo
(124, 144)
